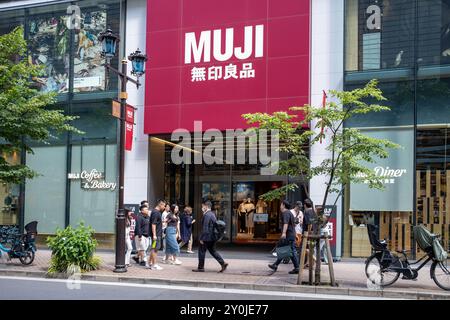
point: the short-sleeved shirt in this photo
(172, 220)
(156, 219)
(288, 218)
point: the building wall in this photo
(327, 72)
(136, 160)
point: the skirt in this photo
(172, 246)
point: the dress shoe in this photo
(198, 270)
(273, 267)
(224, 267)
(295, 271)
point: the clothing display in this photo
(249, 209)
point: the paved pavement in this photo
(245, 268)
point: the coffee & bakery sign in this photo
(93, 180)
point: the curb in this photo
(388, 293)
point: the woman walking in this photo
(186, 222)
(128, 220)
(172, 235)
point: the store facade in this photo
(72, 167)
(212, 62)
(405, 45)
(247, 56)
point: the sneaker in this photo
(136, 259)
(295, 271)
(190, 252)
(165, 261)
(149, 266)
(142, 263)
(177, 262)
(156, 267)
(273, 267)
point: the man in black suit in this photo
(207, 239)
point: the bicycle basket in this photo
(439, 252)
(424, 238)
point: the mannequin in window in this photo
(242, 216)
(261, 206)
(249, 209)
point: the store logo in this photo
(200, 52)
(232, 147)
(386, 175)
(92, 180)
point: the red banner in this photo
(129, 127)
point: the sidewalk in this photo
(242, 273)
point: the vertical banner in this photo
(129, 126)
(331, 211)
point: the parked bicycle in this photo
(384, 267)
(23, 246)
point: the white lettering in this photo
(202, 49)
(374, 20)
(248, 45)
(229, 39)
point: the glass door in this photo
(219, 195)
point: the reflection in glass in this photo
(48, 44)
(88, 62)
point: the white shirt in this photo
(298, 226)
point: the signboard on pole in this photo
(129, 127)
(331, 211)
(116, 109)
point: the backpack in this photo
(219, 230)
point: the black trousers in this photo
(211, 247)
(242, 222)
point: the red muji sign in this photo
(214, 60)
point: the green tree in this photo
(24, 116)
(350, 150)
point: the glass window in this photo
(45, 196)
(384, 37)
(433, 101)
(434, 32)
(10, 20)
(400, 100)
(95, 120)
(96, 16)
(48, 41)
(9, 196)
(93, 199)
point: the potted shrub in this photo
(73, 250)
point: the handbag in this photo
(284, 250)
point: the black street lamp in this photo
(109, 42)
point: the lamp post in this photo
(109, 42)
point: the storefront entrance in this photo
(249, 218)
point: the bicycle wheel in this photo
(379, 276)
(440, 273)
(27, 258)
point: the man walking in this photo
(207, 239)
(142, 232)
(289, 235)
(156, 234)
